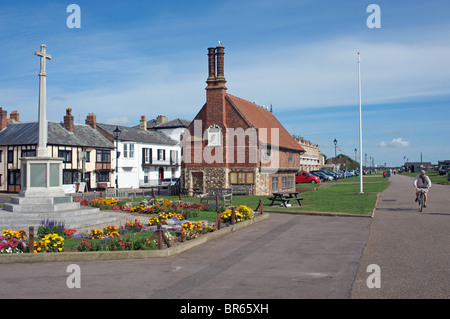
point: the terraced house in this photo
(88, 155)
(146, 156)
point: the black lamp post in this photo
(116, 133)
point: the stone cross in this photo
(43, 128)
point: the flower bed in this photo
(13, 242)
(171, 218)
(151, 206)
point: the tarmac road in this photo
(412, 249)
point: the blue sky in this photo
(133, 58)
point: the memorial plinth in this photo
(41, 196)
(41, 190)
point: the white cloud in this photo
(396, 142)
(325, 73)
(123, 121)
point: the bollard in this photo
(233, 215)
(31, 239)
(159, 239)
(218, 219)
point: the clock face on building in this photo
(214, 136)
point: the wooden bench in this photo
(242, 189)
(223, 194)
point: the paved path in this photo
(412, 249)
(289, 256)
(285, 257)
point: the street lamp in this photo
(116, 134)
(355, 153)
(335, 143)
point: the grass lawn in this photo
(366, 178)
(338, 198)
(434, 177)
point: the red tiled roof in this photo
(260, 118)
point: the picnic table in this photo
(285, 198)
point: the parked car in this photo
(321, 175)
(340, 175)
(166, 182)
(305, 177)
(329, 174)
(443, 169)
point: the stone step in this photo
(80, 211)
(83, 217)
(20, 208)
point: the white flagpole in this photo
(360, 130)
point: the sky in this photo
(132, 58)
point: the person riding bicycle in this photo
(422, 181)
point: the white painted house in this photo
(146, 157)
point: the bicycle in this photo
(421, 191)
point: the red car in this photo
(305, 177)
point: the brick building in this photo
(234, 143)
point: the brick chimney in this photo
(220, 52)
(161, 119)
(14, 116)
(216, 89)
(211, 65)
(91, 120)
(143, 123)
(3, 118)
(68, 120)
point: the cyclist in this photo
(422, 181)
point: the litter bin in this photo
(448, 175)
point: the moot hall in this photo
(234, 143)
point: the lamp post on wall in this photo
(116, 133)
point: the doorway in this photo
(160, 175)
